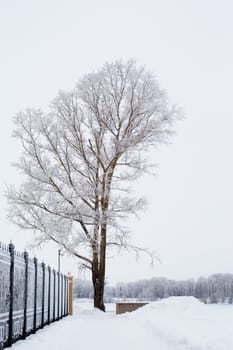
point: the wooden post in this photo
(70, 294)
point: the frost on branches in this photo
(79, 157)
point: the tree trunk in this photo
(99, 281)
(98, 278)
(99, 260)
(99, 294)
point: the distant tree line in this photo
(217, 288)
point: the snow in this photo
(175, 323)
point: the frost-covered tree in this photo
(79, 156)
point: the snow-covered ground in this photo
(176, 323)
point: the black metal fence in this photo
(32, 295)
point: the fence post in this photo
(64, 304)
(62, 295)
(43, 294)
(35, 296)
(58, 295)
(70, 294)
(49, 291)
(11, 290)
(25, 295)
(65, 296)
(54, 295)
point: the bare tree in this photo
(78, 157)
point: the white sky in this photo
(47, 45)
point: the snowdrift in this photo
(176, 323)
(185, 323)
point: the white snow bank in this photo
(172, 304)
(177, 323)
(185, 323)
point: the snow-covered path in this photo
(180, 323)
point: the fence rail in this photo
(32, 295)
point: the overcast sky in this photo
(47, 45)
